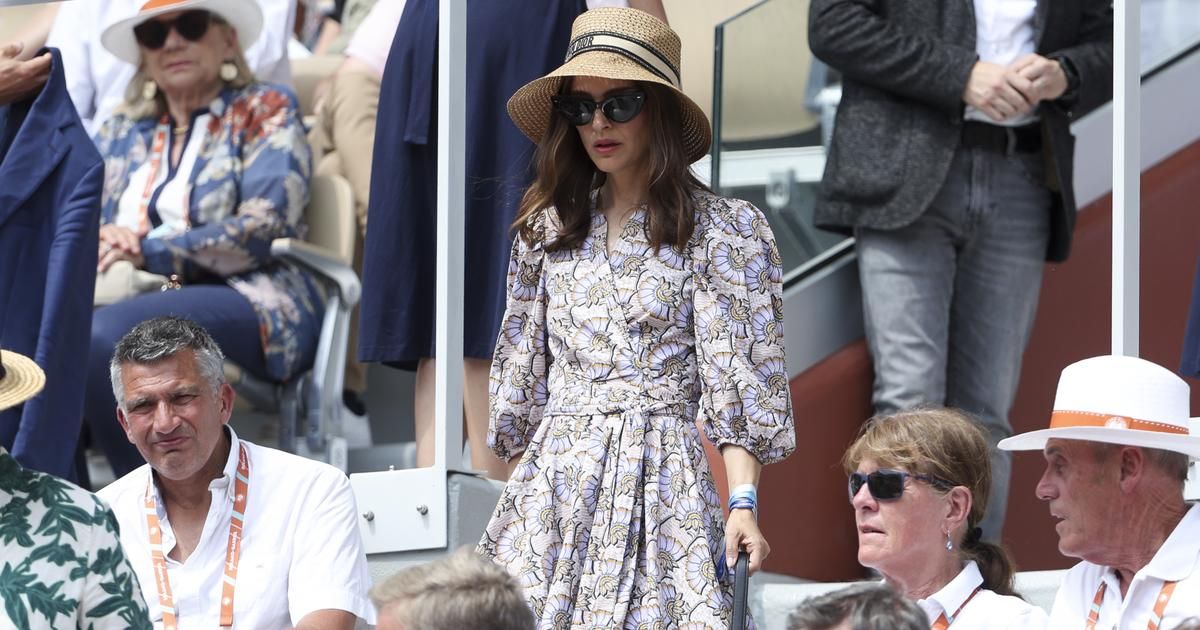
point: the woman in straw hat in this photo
(204, 168)
(638, 302)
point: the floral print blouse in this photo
(705, 326)
(248, 188)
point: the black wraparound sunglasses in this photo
(886, 484)
(191, 25)
(579, 110)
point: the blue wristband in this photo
(743, 504)
(745, 497)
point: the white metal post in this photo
(451, 157)
(1127, 172)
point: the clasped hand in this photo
(118, 243)
(1006, 92)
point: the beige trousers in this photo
(343, 143)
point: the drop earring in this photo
(949, 543)
(229, 71)
(149, 90)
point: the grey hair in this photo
(1173, 463)
(461, 590)
(161, 338)
(865, 606)
(136, 106)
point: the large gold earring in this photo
(229, 71)
(149, 90)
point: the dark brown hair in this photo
(566, 178)
(945, 443)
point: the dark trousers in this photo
(221, 310)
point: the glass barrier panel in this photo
(772, 111)
(1168, 27)
(774, 106)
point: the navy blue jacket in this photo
(50, 181)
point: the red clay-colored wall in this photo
(1074, 321)
(805, 515)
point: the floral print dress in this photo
(602, 368)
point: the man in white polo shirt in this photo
(1117, 453)
(221, 531)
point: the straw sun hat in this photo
(614, 43)
(243, 15)
(1118, 400)
(20, 379)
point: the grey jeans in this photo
(949, 300)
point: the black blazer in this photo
(905, 64)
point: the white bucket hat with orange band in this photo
(1117, 400)
(244, 16)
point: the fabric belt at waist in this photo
(1000, 139)
(683, 409)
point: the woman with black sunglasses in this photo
(639, 303)
(919, 484)
(204, 167)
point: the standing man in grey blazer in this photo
(951, 163)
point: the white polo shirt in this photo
(301, 550)
(1177, 560)
(987, 610)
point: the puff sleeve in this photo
(517, 385)
(738, 296)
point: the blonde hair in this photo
(945, 443)
(461, 590)
(136, 106)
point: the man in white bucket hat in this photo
(1117, 453)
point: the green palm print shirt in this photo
(61, 562)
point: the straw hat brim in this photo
(530, 107)
(1036, 440)
(23, 379)
(244, 16)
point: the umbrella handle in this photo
(741, 590)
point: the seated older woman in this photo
(919, 486)
(204, 167)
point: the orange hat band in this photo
(158, 4)
(1067, 419)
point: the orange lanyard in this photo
(942, 622)
(1160, 606)
(233, 550)
(157, 155)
